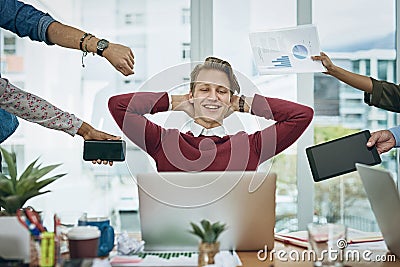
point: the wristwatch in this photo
(241, 103)
(101, 46)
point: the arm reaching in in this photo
(358, 81)
(120, 56)
(37, 110)
(383, 140)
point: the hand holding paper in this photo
(286, 50)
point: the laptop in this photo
(385, 202)
(244, 201)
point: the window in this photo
(98, 190)
(185, 16)
(185, 50)
(356, 66)
(10, 45)
(369, 52)
(386, 70)
(231, 34)
(102, 190)
(134, 19)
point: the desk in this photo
(249, 259)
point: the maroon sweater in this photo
(176, 151)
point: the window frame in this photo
(202, 46)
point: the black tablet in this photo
(339, 156)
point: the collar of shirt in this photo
(198, 130)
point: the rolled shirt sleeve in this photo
(25, 20)
(385, 95)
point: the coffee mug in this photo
(83, 241)
(106, 242)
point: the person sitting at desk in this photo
(206, 147)
(381, 94)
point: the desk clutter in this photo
(85, 241)
(24, 237)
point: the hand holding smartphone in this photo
(110, 150)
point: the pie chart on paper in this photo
(300, 51)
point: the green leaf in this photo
(33, 194)
(210, 232)
(206, 225)
(197, 231)
(14, 191)
(47, 181)
(28, 170)
(4, 177)
(45, 170)
(13, 203)
(210, 237)
(6, 186)
(10, 159)
(26, 185)
(218, 229)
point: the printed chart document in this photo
(287, 50)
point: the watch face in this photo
(102, 44)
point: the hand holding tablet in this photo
(339, 156)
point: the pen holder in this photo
(42, 250)
(34, 247)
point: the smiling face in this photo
(211, 97)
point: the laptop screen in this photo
(244, 201)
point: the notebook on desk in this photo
(300, 238)
(385, 203)
(245, 201)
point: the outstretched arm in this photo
(355, 80)
(381, 94)
(25, 20)
(120, 56)
(384, 140)
(37, 110)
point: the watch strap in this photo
(241, 103)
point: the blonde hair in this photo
(216, 64)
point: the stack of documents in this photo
(300, 238)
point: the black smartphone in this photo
(111, 150)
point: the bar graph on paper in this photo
(286, 50)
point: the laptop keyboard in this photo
(167, 255)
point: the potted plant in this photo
(209, 245)
(15, 191)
